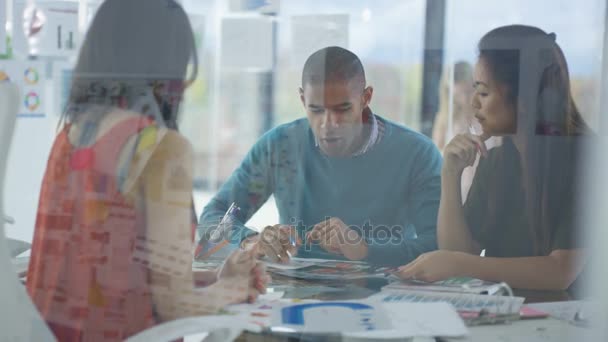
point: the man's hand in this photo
(336, 237)
(277, 242)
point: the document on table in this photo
(223, 328)
(294, 263)
(560, 310)
(418, 320)
(329, 317)
(575, 311)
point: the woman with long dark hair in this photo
(521, 208)
(112, 247)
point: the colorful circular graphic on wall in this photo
(4, 77)
(31, 76)
(31, 101)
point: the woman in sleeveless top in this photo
(112, 248)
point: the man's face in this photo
(335, 113)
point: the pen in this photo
(389, 271)
(473, 131)
(226, 223)
(292, 240)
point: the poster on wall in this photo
(62, 84)
(29, 78)
(47, 29)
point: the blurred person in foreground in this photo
(112, 247)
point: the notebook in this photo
(473, 308)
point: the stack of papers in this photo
(325, 269)
(456, 284)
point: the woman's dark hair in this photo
(131, 45)
(533, 70)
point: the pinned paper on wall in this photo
(45, 29)
(313, 32)
(28, 76)
(62, 84)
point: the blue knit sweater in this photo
(389, 194)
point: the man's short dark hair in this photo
(332, 64)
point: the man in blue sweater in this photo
(347, 183)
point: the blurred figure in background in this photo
(462, 113)
(460, 80)
(112, 248)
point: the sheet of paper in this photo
(333, 270)
(17, 247)
(222, 328)
(62, 85)
(561, 310)
(293, 264)
(271, 296)
(330, 317)
(321, 261)
(260, 312)
(418, 320)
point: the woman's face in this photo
(492, 108)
